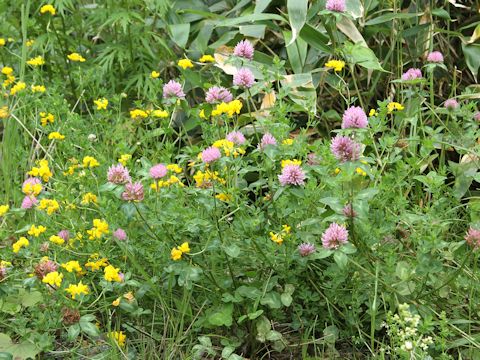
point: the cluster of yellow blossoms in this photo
(42, 170)
(336, 65)
(100, 227)
(206, 179)
(279, 237)
(50, 205)
(46, 118)
(178, 251)
(142, 114)
(231, 108)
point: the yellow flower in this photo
(124, 159)
(2, 42)
(38, 88)
(175, 168)
(7, 70)
(287, 142)
(138, 113)
(160, 113)
(53, 278)
(231, 108)
(36, 230)
(392, 106)
(112, 274)
(18, 87)
(205, 179)
(50, 205)
(176, 254)
(360, 171)
(55, 136)
(129, 296)
(286, 229)
(154, 74)
(184, 248)
(76, 57)
(47, 8)
(202, 114)
(337, 171)
(101, 103)
(4, 112)
(99, 228)
(4, 209)
(42, 170)
(57, 240)
(22, 242)
(8, 81)
(336, 65)
(277, 238)
(89, 161)
(116, 302)
(291, 162)
(207, 58)
(89, 198)
(36, 61)
(46, 118)
(72, 266)
(79, 289)
(32, 189)
(224, 197)
(185, 63)
(97, 265)
(373, 112)
(30, 42)
(118, 336)
(224, 144)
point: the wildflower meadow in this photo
(222, 179)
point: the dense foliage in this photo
(239, 180)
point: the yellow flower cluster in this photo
(101, 103)
(373, 112)
(30, 42)
(53, 278)
(95, 265)
(19, 86)
(166, 183)
(8, 71)
(4, 209)
(22, 242)
(138, 113)
(392, 106)
(230, 108)
(89, 198)
(46, 118)
(207, 58)
(124, 159)
(224, 197)
(118, 336)
(76, 57)
(56, 240)
(55, 135)
(279, 237)
(336, 65)
(175, 168)
(159, 113)
(49, 205)
(38, 88)
(36, 61)
(178, 251)
(32, 189)
(185, 63)
(90, 161)
(4, 112)
(47, 8)
(291, 162)
(287, 142)
(79, 289)
(2, 42)
(112, 274)
(72, 266)
(360, 171)
(205, 179)
(99, 228)
(154, 74)
(42, 170)
(36, 230)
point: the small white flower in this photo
(92, 137)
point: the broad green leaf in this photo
(297, 52)
(341, 259)
(348, 27)
(472, 57)
(297, 15)
(222, 317)
(179, 33)
(255, 31)
(249, 19)
(261, 5)
(232, 250)
(272, 300)
(361, 55)
(263, 328)
(441, 13)
(89, 328)
(315, 38)
(390, 16)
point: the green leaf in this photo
(286, 299)
(248, 292)
(248, 19)
(441, 13)
(315, 38)
(273, 335)
(297, 52)
(263, 328)
(179, 33)
(272, 300)
(361, 55)
(297, 15)
(24, 350)
(232, 250)
(89, 328)
(472, 57)
(261, 5)
(73, 332)
(390, 16)
(28, 299)
(341, 259)
(222, 317)
(254, 315)
(255, 31)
